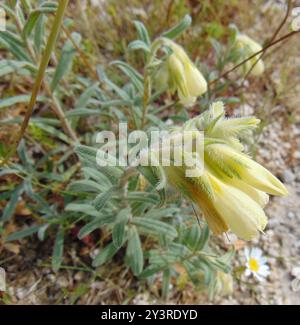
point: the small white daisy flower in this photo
(256, 264)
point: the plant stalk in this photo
(39, 79)
(284, 37)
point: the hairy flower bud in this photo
(183, 76)
(248, 47)
(233, 189)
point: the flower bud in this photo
(248, 46)
(183, 75)
(233, 189)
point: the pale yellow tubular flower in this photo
(259, 177)
(198, 190)
(193, 84)
(186, 100)
(243, 215)
(236, 164)
(227, 207)
(258, 196)
(230, 130)
(232, 190)
(212, 216)
(177, 77)
(250, 47)
(196, 83)
(234, 127)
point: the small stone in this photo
(247, 109)
(21, 293)
(296, 272)
(273, 223)
(141, 299)
(51, 277)
(291, 215)
(94, 253)
(274, 252)
(62, 282)
(297, 155)
(265, 153)
(288, 176)
(78, 276)
(11, 291)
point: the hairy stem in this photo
(288, 10)
(284, 37)
(40, 78)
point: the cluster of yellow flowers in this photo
(233, 189)
(181, 75)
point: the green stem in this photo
(146, 97)
(40, 76)
(289, 7)
(147, 78)
(284, 37)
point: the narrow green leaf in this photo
(98, 176)
(142, 32)
(102, 199)
(11, 205)
(163, 259)
(65, 62)
(166, 283)
(180, 28)
(86, 153)
(192, 237)
(155, 227)
(134, 252)
(150, 271)
(58, 250)
(159, 213)
(31, 22)
(86, 185)
(10, 101)
(14, 66)
(78, 112)
(14, 44)
(112, 86)
(94, 224)
(53, 131)
(118, 231)
(105, 255)
(39, 33)
(42, 231)
(151, 198)
(23, 233)
(134, 76)
(138, 45)
(204, 238)
(84, 98)
(83, 208)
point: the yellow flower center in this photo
(253, 265)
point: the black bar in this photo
(132, 314)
